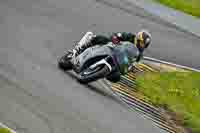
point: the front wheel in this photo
(64, 62)
(90, 75)
(114, 77)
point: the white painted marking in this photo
(4, 126)
(172, 64)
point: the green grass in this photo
(188, 6)
(177, 91)
(4, 130)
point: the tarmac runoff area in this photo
(167, 66)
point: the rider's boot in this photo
(84, 43)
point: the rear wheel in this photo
(90, 75)
(64, 62)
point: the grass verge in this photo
(178, 92)
(4, 130)
(188, 6)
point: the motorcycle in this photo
(94, 63)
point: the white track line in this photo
(172, 64)
(4, 126)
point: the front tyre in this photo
(64, 62)
(114, 77)
(90, 75)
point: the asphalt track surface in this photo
(35, 97)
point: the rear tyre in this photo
(89, 75)
(64, 62)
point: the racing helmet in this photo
(143, 39)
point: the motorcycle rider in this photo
(141, 41)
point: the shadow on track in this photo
(90, 86)
(100, 91)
